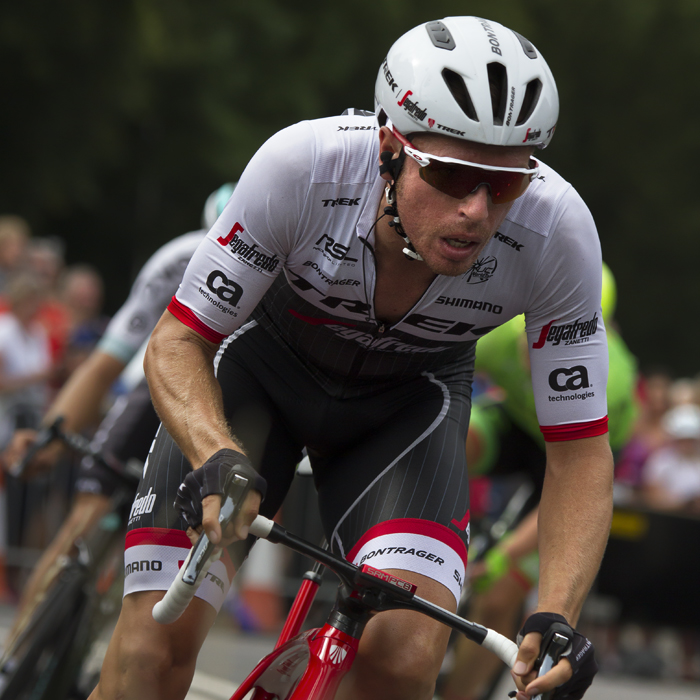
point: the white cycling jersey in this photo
(153, 288)
(293, 250)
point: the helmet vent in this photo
(456, 85)
(532, 96)
(498, 83)
(528, 48)
(440, 35)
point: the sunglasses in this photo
(458, 178)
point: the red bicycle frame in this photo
(305, 666)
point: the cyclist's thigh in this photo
(399, 498)
(156, 542)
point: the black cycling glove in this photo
(581, 655)
(209, 479)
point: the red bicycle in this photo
(310, 665)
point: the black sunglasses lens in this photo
(460, 180)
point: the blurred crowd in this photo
(50, 320)
(659, 467)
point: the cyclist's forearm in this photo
(574, 522)
(81, 397)
(185, 392)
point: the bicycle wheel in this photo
(47, 642)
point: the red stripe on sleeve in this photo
(189, 318)
(575, 431)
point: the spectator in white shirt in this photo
(671, 475)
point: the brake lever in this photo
(554, 643)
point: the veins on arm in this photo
(179, 367)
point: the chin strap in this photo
(409, 251)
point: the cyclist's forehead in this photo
(451, 147)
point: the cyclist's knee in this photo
(401, 654)
(144, 654)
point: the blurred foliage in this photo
(118, 119)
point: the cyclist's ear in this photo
(389, 149)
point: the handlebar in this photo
(46, 435)
(389, 596)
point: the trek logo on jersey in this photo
(509, 241)
(332, 250)
(446, 327)
(246, 252)
(341, 201)
(569, 379)
(226, 291)
(353, 306)
(571, 333)
(470, 304)
(481, 271)
(143, 505)
(357, 128)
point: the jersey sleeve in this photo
(566, 335)
(148, 298)
(248, 245)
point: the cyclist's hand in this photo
(571, 676)
(43, 461)
(199, 496)
(238, 530)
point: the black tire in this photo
(41, 656)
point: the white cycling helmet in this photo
(215, 204)
(469, 78)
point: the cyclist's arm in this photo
(574, 522)
(184, 390)
(81, 397)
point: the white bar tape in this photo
(261, 527)
(179, 595)
(504, 648)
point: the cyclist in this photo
(504, 438)
(343, 336)
(127, 430)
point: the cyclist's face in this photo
(450, 233)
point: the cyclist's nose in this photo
(475, 206)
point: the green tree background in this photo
(117, 119)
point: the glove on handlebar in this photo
(209, 479)
(581, 655)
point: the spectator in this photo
(671, 475)
(648, 433)
(45, 262)
(14, 236)
(82, 293)
(25, 363)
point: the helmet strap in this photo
(409, 251)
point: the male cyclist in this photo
(343, 336)
(127, 430)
